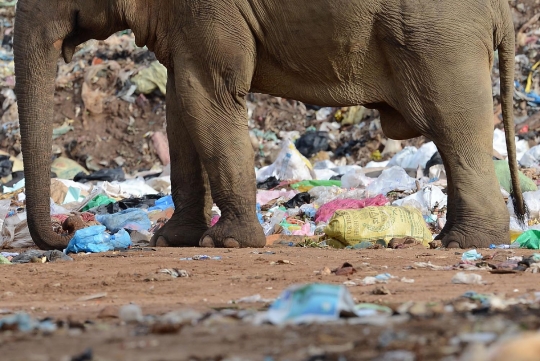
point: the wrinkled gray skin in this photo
(424, 64)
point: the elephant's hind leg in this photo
(464, 134)
(189, 184)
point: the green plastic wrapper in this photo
(308, 184)
(99, 200)
(503, 175)
(529, 239)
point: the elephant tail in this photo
(506, 49)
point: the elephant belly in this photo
(320, 52)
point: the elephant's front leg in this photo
(211, 90)
(189, 183)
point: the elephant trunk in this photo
(35, 66)
(506, 69)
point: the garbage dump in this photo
(327, 179)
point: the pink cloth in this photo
(214, 220)
(305, 231)
(326, 211)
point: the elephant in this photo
(423, 64)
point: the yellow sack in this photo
(350, 227)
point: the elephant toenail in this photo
(231, 243)
(207, 242)
(453, 244)
(162, 242)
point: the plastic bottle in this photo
(504, 246)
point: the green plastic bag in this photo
(503, 175)
(529, 239)
(308, 184)
(99, 200)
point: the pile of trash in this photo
(400, 203)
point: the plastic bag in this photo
(127, 189)
(529, 239)
(391, 179)
(298, 200)
(355, 178)
(312, 143)
(289, 165)
(160, 184)
(311, 303)
(350, 227)
(162, 204)
(269, 183)
(147, 80)
(424, 200)
(531, 158)
(532, 199)
(4, 209)
(324, 174)
(277, 217)
(108, 175)
(15, 233)
(502, 171)
(306, 185)
(95, 239)
(133, 219)
(323, 195)
(99, 200)
(264, 196)
(499, 144)
(410, 157)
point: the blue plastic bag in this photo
(162, 204)
(95, 239)
(259, 215)
(311, 303)
(134, 219)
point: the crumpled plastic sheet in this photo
(326, 211)
(264, 196)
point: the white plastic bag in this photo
(391, 179)
(499, 144)
(127, 189)
(355, 178)
(531, 158)
(412, 158)
(424, 200)
(289, 165)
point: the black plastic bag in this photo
(107, 175)
(5, 166)
(144, 202)
(298, 200)
(312, 143)
(434, 160)
(269, 183)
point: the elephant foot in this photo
(234, 234)
(461, 237)
(178, 234)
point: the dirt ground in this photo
(63, 292)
